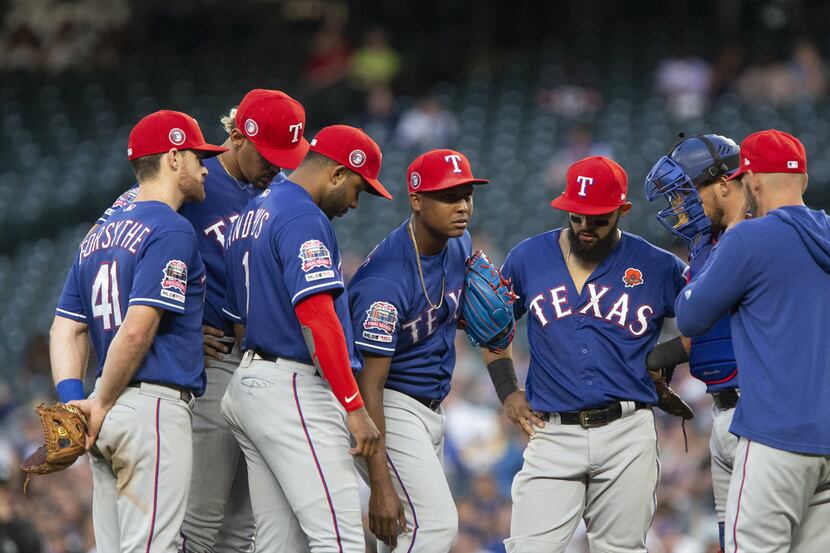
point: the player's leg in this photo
(152, 465)
(104, 494)
(722, 445)
(814, 533)
(414, 445)
(769, 496)
(238, 528)
(620, 501)
(216, 455)
(549, 492)
(309, 455)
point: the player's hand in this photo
(386, 514)
(366, 434)
(95, 411)
(518, 410)
(213, 347)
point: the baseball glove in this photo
(669, 400)
(487, 309)
(64, 434)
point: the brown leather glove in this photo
(64, 435)
(669, 400)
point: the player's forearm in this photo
(68, 349)
(327, 346)
(127, 351)
(501, 370)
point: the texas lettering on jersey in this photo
(617, 309)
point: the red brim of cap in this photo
(736, 175)
(209, 150)
(452, 184)
(285, 159)
(377, 188)
(580, 208)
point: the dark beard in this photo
(595, 253)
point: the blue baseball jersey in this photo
(237, 246)
(773, 275)
(712, 357)
(293, 254)
(588, 349)
(391, 316)
(144, 254)
(212, 218)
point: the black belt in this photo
(431, 404)
(726, 399)
(593, 418)
(184, 394)
(274, 358)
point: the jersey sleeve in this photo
(123, 200)
(377, 306)
(510, 270)
(307, 251)
(717, 289)
(70, 305)
(674, 283)
(161, 274)
(230, 308)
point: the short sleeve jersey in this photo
(588, 348)
(144, 254)
(212, 218)
(293, 255)
(391, 316)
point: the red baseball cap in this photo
(595, 186)
(439, 170)
(274, 122)
(352, 148)
(163, 130)
(771, 151)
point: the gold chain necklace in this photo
(222, 163)
(421, 272)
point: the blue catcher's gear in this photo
(692, 162)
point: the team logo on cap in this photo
(381, 316)
(415, 180)
(357, 158)
(174, 280)
(251, 128)
(632, 277)
(176, 136)
(129, 151)
(792, 165)
(313, 254)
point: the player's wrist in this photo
(503, 374)
(70, 389)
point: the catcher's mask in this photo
(690, 163)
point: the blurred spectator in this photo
(16, 534)
(769, 82)
(685, 82)
(327, 63)
(809, 70)
(375, 63)
(571, 100)
(381, 115)
(20, 50)
(726, 68)
(427, 125)
(579, 144)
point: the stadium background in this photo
(523, 88)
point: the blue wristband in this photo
(69, 389)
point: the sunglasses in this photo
(591, 221)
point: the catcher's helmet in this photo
(692, 162)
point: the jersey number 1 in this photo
(105, 296)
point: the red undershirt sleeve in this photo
(328, 347)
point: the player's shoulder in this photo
(533, 246)
(160, 216)
(638, 246)
(385, 259)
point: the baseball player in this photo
(596, 298)
(773, 274)
(405, 306)
(293, 400)
(264, 135)
(137, 287)
(692, 178)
